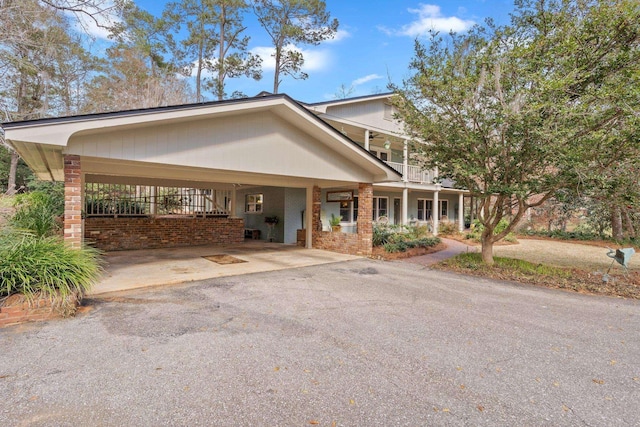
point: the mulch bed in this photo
(618, 284)
(380, 253)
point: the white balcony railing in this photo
(413, 173)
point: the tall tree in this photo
(511, 113)
(290, 23)
(129, 82)
(233, 59)
(198, 47)
(39, 62)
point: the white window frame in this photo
(444, 208)
(429, 216)
(253, 203)
(352, 219)
(376, 207)
(376, 151)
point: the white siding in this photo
(365, 114)
(258, 143)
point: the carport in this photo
(197, 174)
(126, 270)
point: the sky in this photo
(374, 44)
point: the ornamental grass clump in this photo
(45, 267)
(34, 260)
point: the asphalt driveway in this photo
(356, 343)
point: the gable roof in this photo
(42, 143)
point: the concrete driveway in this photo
(357, 343)
(126, 270)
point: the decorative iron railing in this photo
(140, 200)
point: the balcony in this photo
(413, 173)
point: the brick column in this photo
(72, 201)
(317, 206)
(365, 219)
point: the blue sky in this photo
(374, 44)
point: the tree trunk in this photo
(616, 223)
(629, 229)
(487, 245)
(276, 71)
(13, 170)
(487, 251)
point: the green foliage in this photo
(399, 238)
(46, 266)
(563, 235)
(293, 23)
(473, 261)
(514, 113)
(401, 244)
(477, 228)
(38, 212)
(335, 220)
(23, 173)
(447, 228)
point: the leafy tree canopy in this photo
(514, 113)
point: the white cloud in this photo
(339, 36)
(103, 16)
(314, 60)
(430, 17)
(365, 79)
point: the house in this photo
(266, 167)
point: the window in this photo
(382, 155)
(425, 209)
(253, 203)
(444, 208)
(349, 210)
(380, 207)
(389, 111)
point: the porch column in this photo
(314, 226)
(460, 212)
(436, 212)
(153, 200)
(73, 181)
(234, 201)
(405, 206)
(309, 218)
(405, 161)
(365, 219)
(366, 139)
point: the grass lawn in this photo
(574, 279)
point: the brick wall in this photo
(365, 219)
(23, 311)
(72, 201)
(337, 241)
(360, 243)
(111, 234)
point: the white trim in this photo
(376, 207)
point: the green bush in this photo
(477, 228)
(38, 212)
(34, 266)
(399, 238)
(447, 228)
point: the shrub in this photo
(447, 227)
(45, 266)
(38, 212)
(477, 228)
(381, 234)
